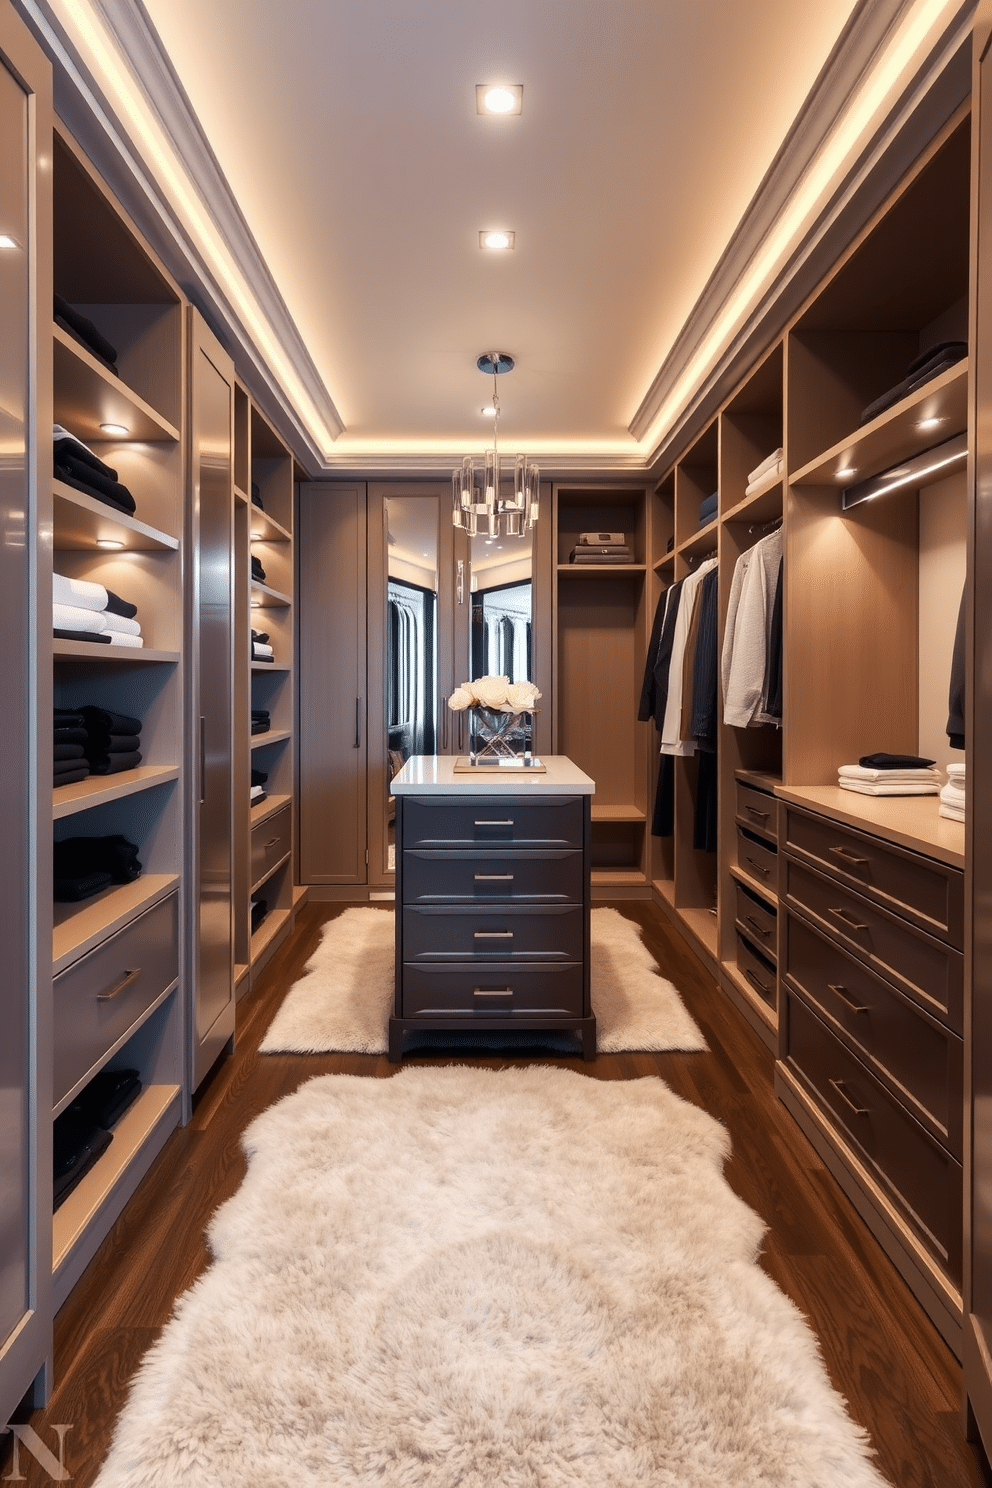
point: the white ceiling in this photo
(348, 132)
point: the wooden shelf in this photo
(90, 651)
(240, 496)
(77, 928)
(666, 888)
(268, 529)
(274, 736)
(301, 893)
(910, 821)
(703, 541)
(895, 435)
(601, 813)
(270, 666)
(761, 779)
(760, 1006)
(768, 895)
(95, 790)
(80, 521)
(605, 877)
(598, 569)
(267, 931)
(268, 808)
(763, 506)
(269, 872)
(87, 395)
(702, 924)
(268, 599)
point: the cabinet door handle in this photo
(492, 934)
(848, 918)
(271, 842)
(494, 878)
(761, 929)
(845, 996)
(759, 867)
(753, 811)
(358, 723)
(119, 987)
(493, 824)
(492, 991)
(855, 1110)
(846, 856)
(756, 980)
(203, 759)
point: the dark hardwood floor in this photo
(900, 1380)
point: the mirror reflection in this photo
(501, 616)
(411, 636)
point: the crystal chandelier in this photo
(478, 504)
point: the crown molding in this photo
(356, 464)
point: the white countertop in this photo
(434, 775)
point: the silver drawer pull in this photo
(492, 991)
(759, 866)
(494, 878)
(119, 987)
(847, 917)
(758, 926)
(492, 934)
(855, 1110)
(271, 842)
(753, 811)
(494, 824)
(847, 856)
(758, 982)
(845, 996)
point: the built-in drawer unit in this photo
(922, 1176)
(553, 877)
(100, 997)
(271, 840)
(463, 933)
(757, 810)
(480, 991)
(926, 969)
(442, 824)
(915, 1055)
(928, 893)
(757, 920)
(758, 858)
(758, 970)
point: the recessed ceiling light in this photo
(489, 411)
(929, 423)
(6, 241)
(846, 472)
(496, 238)
(119, 429)
(108, 542)
(499, 98)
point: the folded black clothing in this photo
(269, 659)
(74, 473)
(103, 1101)
(71, 889)
(67, 478)
(257, 800)
(114, 764)
(113, 854)
(103, 720)
(72, 776)
(257, 571)
(256, 496)
(77, 1145)
(259, 909)
(63, 752)
(957, 350)
(74, 735)
(60, 320)
(670, 544)
(933, 369)
(259, 777)
(71, 451)
(102, 639)
(894, 762)
(260, 713)
(262, 636)
(64, 766)
(260, 726)
(923, 369)
(83, 327)
(101, 743)
(117, 606)
(68, 718)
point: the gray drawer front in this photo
(270, 842)
(498, 988)
(920, 1059)
(757, 920)
(924, 968)
(90, 1015)
(463, 934)
(501, 875)
(757, 811)
(928, 893)
(922, 1176)
(759, 860)
(446, 824)
(756, 972)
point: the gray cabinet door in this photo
(333, 702)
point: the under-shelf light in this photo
(109, 542)
(921, 470)
(256, 537)
(6, 241)
(118, 430)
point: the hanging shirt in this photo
(671, 740)
(745, 648)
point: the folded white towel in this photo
(116, 639)
(764, 482)
(120, 624)
(78, 592)
(957, 772)
(897, 788)
(256, 791)
(71, 617)
(261, 649)
(865, 773)
(775, 458)
(953, 813)
(954, 795)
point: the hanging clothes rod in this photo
(771, 526)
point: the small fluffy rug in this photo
(345, 996)
(462, 1278)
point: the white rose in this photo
(522, 696)
(459, 699)
(490, 692)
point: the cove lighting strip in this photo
(921, 470)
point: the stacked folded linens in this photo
(82, 329)
(76, 465)
(84, 611)
(113, 740)
(257, 571)
(83, 1131)
(260, 648)
(708, 509)
(260, 721)
(890, 775)
(69, 762)
(953, 796)
(83, 866)
(765, 475)
(923, 369)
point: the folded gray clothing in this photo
(72, 776)
(118, 606)
(101, 637)
(100, 743)
(74, 735)
(921, 370)
(84, 331)
(80, 886)
(103, 720)
(114, 764)
(64, 752)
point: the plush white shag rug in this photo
(345, 996)
(462, 1278)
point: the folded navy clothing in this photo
(925, 367)
(118, 606)
(76, 857)
(894, 762)
(72, 776)
(708, 509)
(103, 1101)
(75, 735)
(71, 889)
(103, 638)
(84, 331)
(113, 764)
(259, 777)
(62, 752)
(103, 720)
(76, 1145)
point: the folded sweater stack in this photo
(260, 648)
(923, 369)
(953, 796)
(83, 611)
(113, 740)
(708, 509)
(260, 721)
(259, 909)
(890, 775)
(83, 1131)
(76, 465)
(82, 329)
(257, 571)
(69, 762)
(83, 866)
(764, 476)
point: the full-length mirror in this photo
(501, 619)
(410, 684)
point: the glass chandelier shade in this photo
(478, 505)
